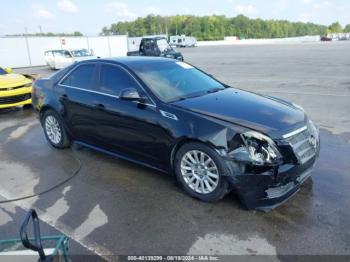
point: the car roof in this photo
(58, 50)
(154, 37)
(131, 60)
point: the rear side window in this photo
(113, 79)
(81, 77)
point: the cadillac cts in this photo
(170, 116)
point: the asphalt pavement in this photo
(113, 207)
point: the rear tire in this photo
(54, 130)
(212, 185)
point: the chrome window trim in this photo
(90, 91)
(297, 131)
(101, 93)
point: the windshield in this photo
(172, 81)
(163, 45)
(80, 53)
(2, 71)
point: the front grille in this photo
(12, 88)
(14, 99)
(301, 145)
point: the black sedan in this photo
(170, 116)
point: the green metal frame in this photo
(61, 240)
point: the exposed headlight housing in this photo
(298, 106)
(315, 133)
(257, 149)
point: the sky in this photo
(89, 17)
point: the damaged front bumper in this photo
(269, 189)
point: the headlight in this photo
(28, 85)
(257, 149)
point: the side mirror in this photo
(8, 70)
(131, 94)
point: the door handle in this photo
(64, 97)
(100, 106)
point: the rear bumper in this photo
(270, 189)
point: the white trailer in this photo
(183, 41)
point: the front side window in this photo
(81, 77)
(113, 79)
(171, 81)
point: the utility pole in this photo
(27, 45)
(40, 30)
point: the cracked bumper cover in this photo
(267, 190)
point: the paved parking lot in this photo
(115, 207)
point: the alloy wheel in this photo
(199, 171)
(53, 129)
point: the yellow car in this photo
(15, 89)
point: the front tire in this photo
(199, 169)
(54, 130)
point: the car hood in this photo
(268, 115)
(11, 80)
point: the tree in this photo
(77, 33)
(216, 27)
(335, 28)
(105, 31)
(347, 28)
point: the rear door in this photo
(76, 95)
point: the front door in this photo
(126, 127)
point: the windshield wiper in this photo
(214, 90)
(179, 98)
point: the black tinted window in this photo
(113, 79)
(81, 77)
